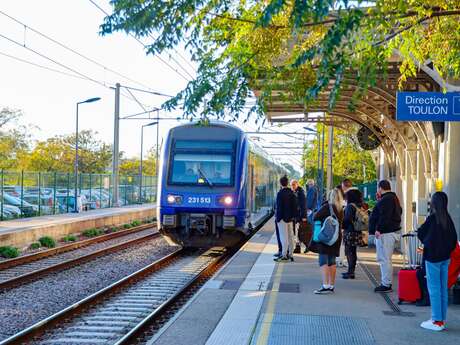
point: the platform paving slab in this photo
(21, 232)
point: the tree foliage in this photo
(348, 159)
(14, 140)
(299, 47)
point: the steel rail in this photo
(27, 277)
(40, 327)
(71, 246)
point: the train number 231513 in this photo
(199, 200)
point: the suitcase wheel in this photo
(400, 302)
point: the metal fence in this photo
(29, 194)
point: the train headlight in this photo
(174, 199)
(226, 200)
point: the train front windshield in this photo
(202, 163)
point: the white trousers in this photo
(385, 246)
(286, 237)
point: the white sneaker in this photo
(430, 325)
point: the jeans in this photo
(385, 246)
(436, 275)
(352, 257)
(287, 237)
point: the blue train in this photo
(215, 186)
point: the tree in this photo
(293, 174)
(14, 141)
(348, 159)
(299, 47)
(58, 154)
(131, 166)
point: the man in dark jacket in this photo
(385, 223)
(312, 197)
(301, 211)
(286, 212)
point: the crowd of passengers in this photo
(300, 218)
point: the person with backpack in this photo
(285, 214)
(385, 223)
(301, 217)
(355, 221)
(328, 252)
(439, 239)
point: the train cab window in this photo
(202, 163)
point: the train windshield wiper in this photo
(205, 178)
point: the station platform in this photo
(256, 301)
(20, 232)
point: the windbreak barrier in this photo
(28, 194)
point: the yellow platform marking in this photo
(268, 319)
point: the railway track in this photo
(17, 271)
(119, 312)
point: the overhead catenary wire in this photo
(145, 46)
(74, 51)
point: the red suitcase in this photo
(408, 285)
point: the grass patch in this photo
(9, 252)
(127, 226)
(35, 245)
(47, 241)
(69, 238)
(135, 223)
(110, 229)
(92, 232)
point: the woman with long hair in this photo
(328, 254)
(439, 239)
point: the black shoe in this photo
(348, 275)
(306, 250)
(297, 249)
(323, 291)
(277, 255)
(281, 258)
(291, 258)
(383, 289)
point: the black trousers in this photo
(352, 257)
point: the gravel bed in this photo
(23, 306)
(54, 259)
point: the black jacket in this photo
(301, 204)
(286, 205)
(386, 215)
(438, 243)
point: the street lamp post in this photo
(142, 152)
(89, 100)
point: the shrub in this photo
(127, 226)
(69, 238)
(47, 241)
(92, 232)
(111, 229)
(9, 252)
(135, 223)
(35, 245)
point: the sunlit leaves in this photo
(296, 49)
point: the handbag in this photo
(305, 232)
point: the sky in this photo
(48, 99)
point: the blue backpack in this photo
(329, 232)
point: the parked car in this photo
(46, 202)
(10, 212)
(27, 209)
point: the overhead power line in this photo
(62, 45)
(145, 47)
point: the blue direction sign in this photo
(428, 106)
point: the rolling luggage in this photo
(408, 285)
